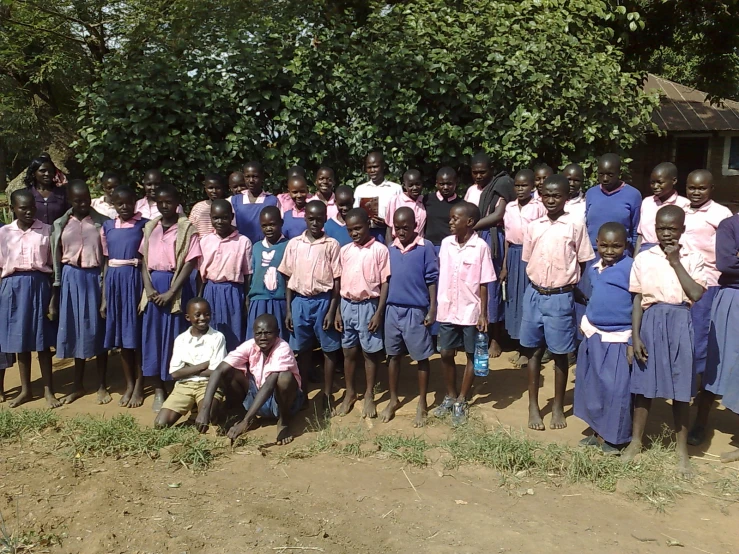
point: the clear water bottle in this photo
(480, 361)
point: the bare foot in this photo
(558, 419)
(126, 398)
(76, 395)
(521, 362)
(283, 434)
(326, 408)
(513, 358)
(535, 421)
(631, 451)
(137, 398)
(346, 406)
(389, 412)
(684, 468)
(420, 420)
(103, 396)
(22, 398)
(2, 397)
(51, 400)
(728, 457)
(158, 401)
(495, 350)
(369, 409)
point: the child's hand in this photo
(328, 322)
(482, 323)
(672, 253)
(430, 318)
(289, 320)
(338, 323)
(53, 311)
(580, 297)
(375, 323)
(151, 294)
(237, 430)
(164, 299)
(246, 305)
(503, 274)
(630, 354)
(202, 421)
(640, 351)
(103, 309)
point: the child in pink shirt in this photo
(576, 202)
(26, 296)
(410, 198)
(264, 377)
(147, 206)
(215, 189)
(662, 182)
(236, 184)
(104, 205)
(293, 220)
(325, 183)
(365, 266)
(465, 269)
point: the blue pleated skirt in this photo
(24, 304)
(667, 334)
(496, 310)
(227, 311)
(700, 314)
(123, 289)
(602, 389)
(160, 327)
(516, 286)
(81, 329)
(721, 376)
(277, 308)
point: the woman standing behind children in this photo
(51, 199)
(122, 290)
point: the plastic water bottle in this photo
(480, 361)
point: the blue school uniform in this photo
(123, 285)
(496, 308)
(338, 232)
(247, 215)
(292, 225)
(268, 286)
(516, 285)
(602, 389)
(408, 300)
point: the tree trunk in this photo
(3, 169)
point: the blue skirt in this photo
(81, 329)
(586, 286)
(667, 334)
(277, 308)
(700, 314)
(123, 289)
(227, 310)
(602, 389)
(24, 304)
(496, 309)
(160, 327)
(722, 363)
(516, 286)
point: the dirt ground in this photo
(255, 500)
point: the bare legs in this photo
(371, 361)
(133, 397)
(560, 386)
(24, 368)
(101, 362)
(394, 376)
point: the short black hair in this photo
(21, 193)
(357, 213)
(404, 211)
(313, 204)
(270, 210)
(269, 319)
(221, 203)
(213, 177)
(196, 300)
(77, 185)
(671, 212)
(123, 190)
(668, 168)
(525, 173)
(108, 175)
(559, 180)
(255, 164)
(446, 170)
(344, 190)
(480, 158)
(166, 188)
(615, 228)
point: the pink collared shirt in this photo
(442, 199)
(554, 249)
(311, 267)
(25, 250)
(225, 260)
(462, 270)
(649, 207)
(700, 235)
(102, 207)
(517, 218)
(162, 256)
(576, 207)
(249, 358)
(618, 188)
(286, 202)
(200, 218)
(418, 241)
(365, 268)
(118, 224)
(331, 209)
(404, 201)
(473, 195)
(149, 210)
(652, 276)
(81, 244)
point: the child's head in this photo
(358, 225)
(197, 314)
(270, 220)
(325, 181)
(214, 186)
(315, 218)
(575, 175)
(297, 187)
(481, 169)
(296, 171)
(254, 177)
(168, 199)
(462, 219)
(266, 332)
(151, 182)
(523, 185)
(221, 216)
(663, 180)
(374, 167)
(554, 194)
(669, 225)
(23, 205)
(124, 202)
(609, 171)
(412, 183)
(109, 182)
(542, 172)
(699, 187)
(344, 199)
(78, 195)
(404, 225)
(446, 182)
(236, 183)
(612, 241)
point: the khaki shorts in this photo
(187, 395)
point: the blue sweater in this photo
(339, 233)
(727, 246)
(609, 307)
(411, 274)
(622, 206)
(264, 258)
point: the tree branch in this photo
(59, 14)
(60, 35)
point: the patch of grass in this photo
(412, 450)
(331, 438)
(14, 424)
(19, 542)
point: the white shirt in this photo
(191, 350)
(383, 192)
(576, 207)
(102, 207)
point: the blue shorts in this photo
(356, 317)
(270, 408)
(405, 332)
(308, 314)
(548, 320)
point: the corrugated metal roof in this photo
(686, 109)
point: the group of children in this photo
(231, 301)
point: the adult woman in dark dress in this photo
(51, 200)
